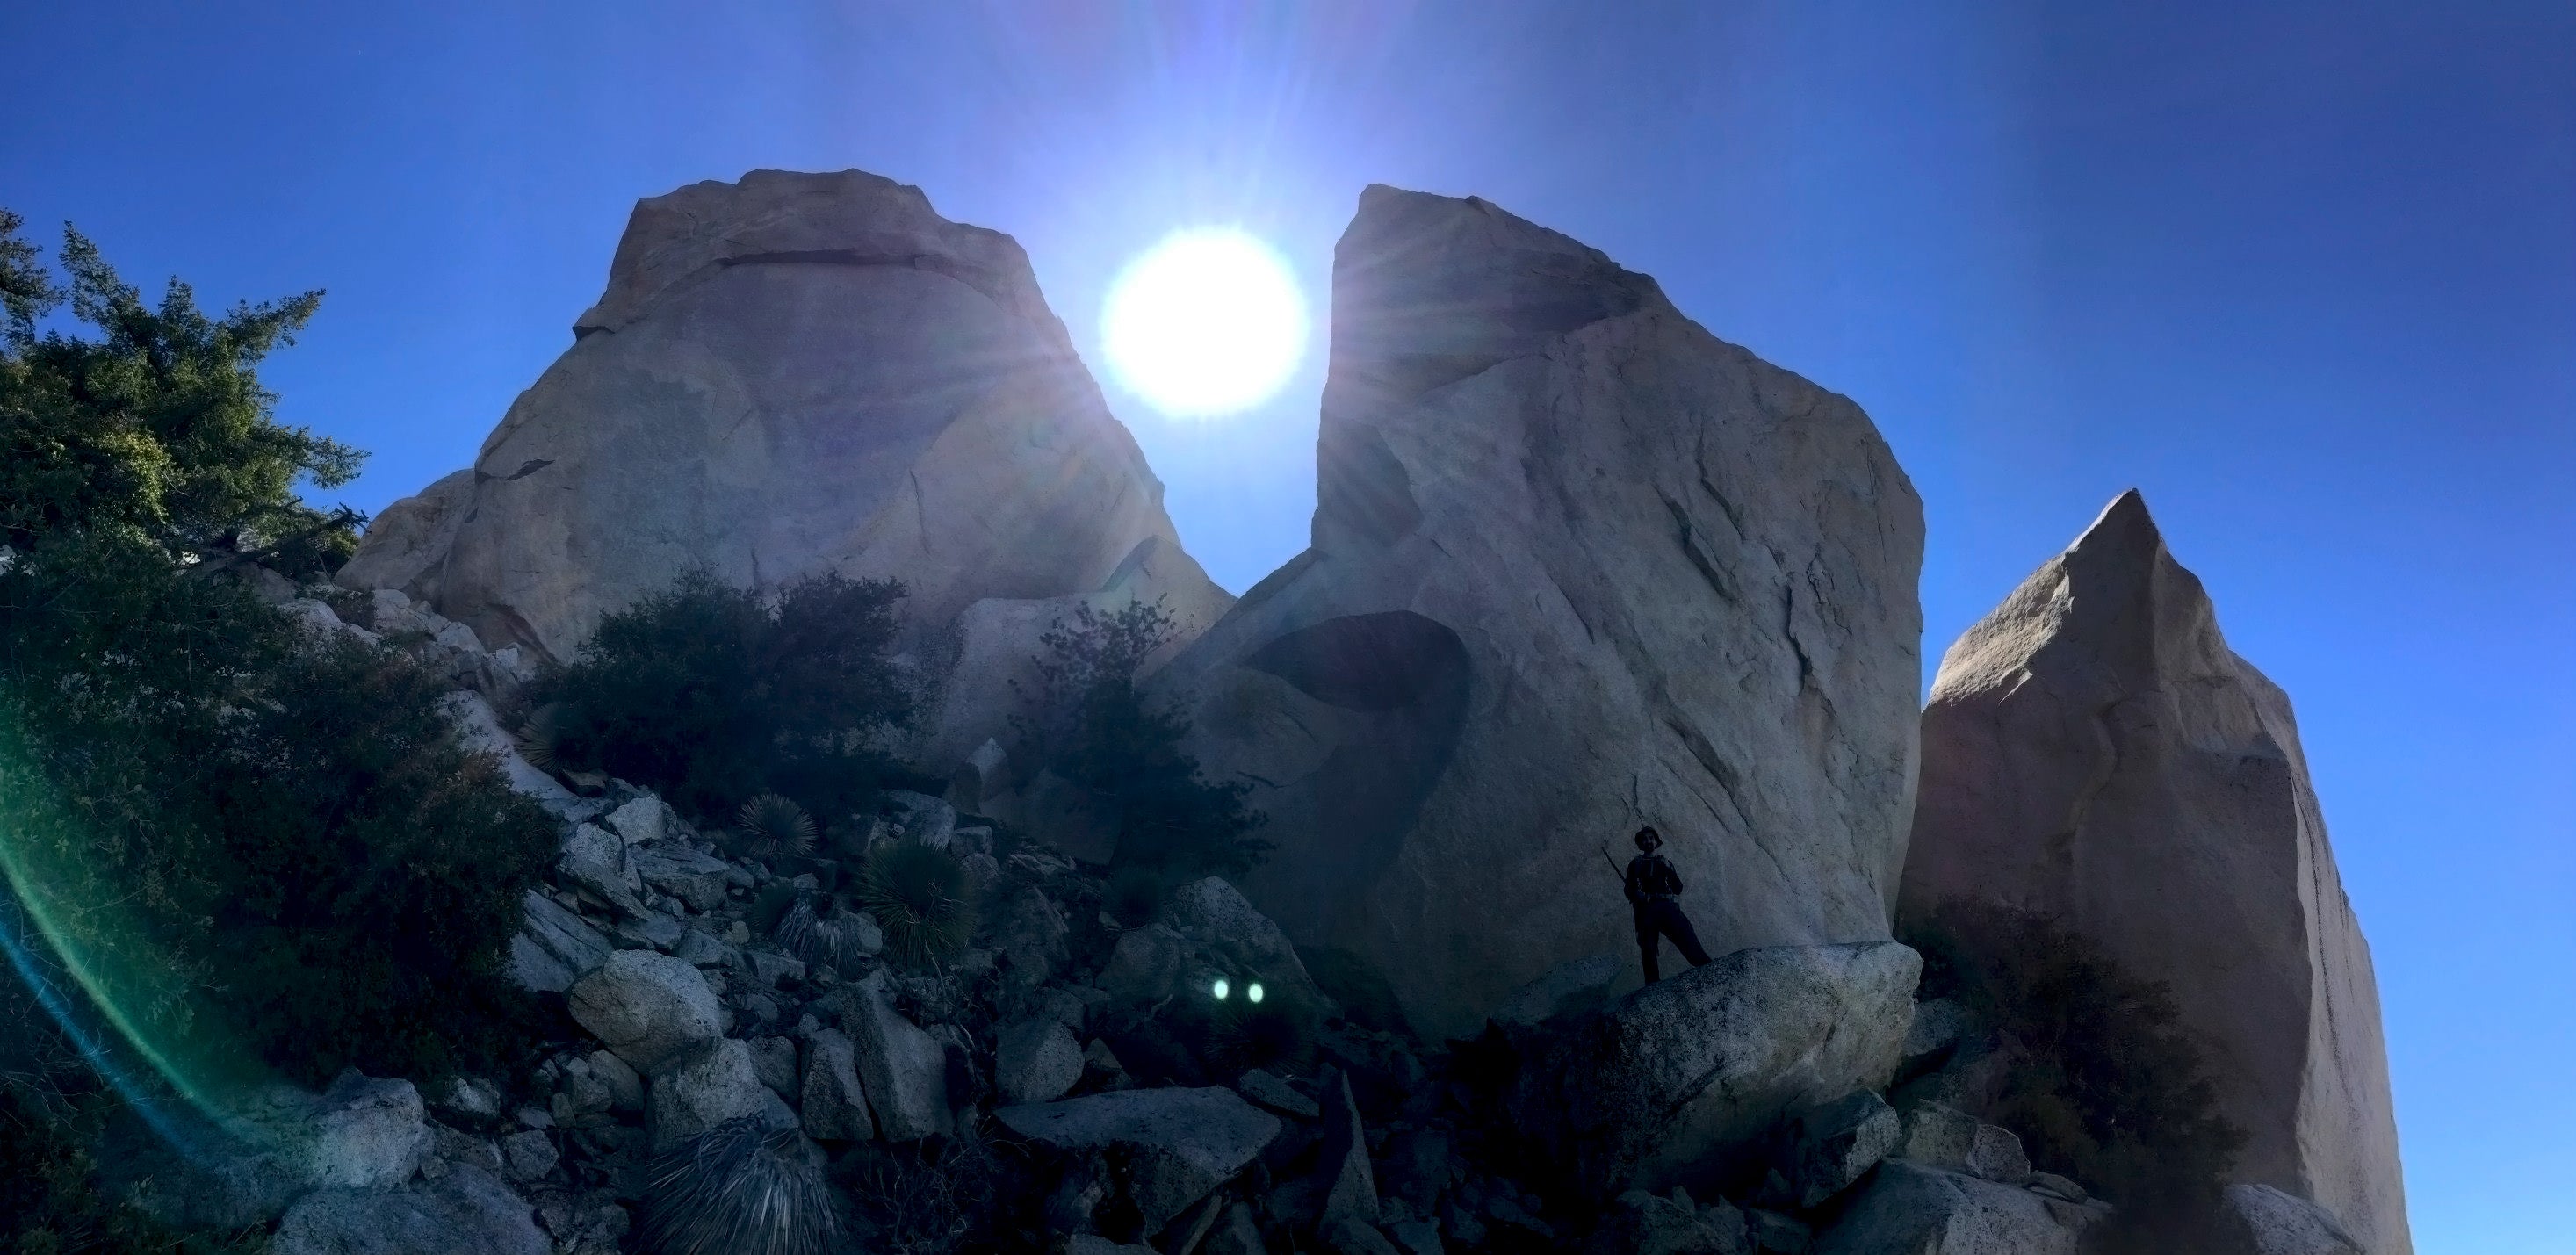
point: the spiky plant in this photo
(818, 939)
(541, 736)
(740, 1188)
(770, 827)
(921, 898)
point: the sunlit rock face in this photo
(2094, 750)
(1577, 566)
(792, 374)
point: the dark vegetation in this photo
(2106, 1088)
(1099, 731)
(257, 845)
(712, 696)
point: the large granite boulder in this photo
(792, 374)
(466, 1211)
(646, 1007)
(2094, 751)
(1576, 566)
(2260, 1220)
(1910, 1209)
(1680, 1082)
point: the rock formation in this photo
(2093, 750)
(787, 375)
(1576, 566)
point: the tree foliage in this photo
(1098, 729)
(712, 695)
(2107, 1088)
(245, 833)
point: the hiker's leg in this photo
(1685, 938)
(1647, 943)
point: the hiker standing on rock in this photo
(1654, 889)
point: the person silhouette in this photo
(1654, 890)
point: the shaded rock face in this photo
(2093, 750)
(1577, 566)
(792, 374)
(1677, 1084)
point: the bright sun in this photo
(1207, 322)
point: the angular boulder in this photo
(1176, 1144)
(1909, 1209)
(1036, 1061)
(787, 375)
(1639, 1223)
(646, 1007)
(903, 1069)
(1577, 565)
(834, 1105)
(2095, 752)
(1838, 1143)
(1213, 915)
(2260, 1220)
(1677, 1083)
(281, 1143)
(466, 1211)
(710, 1084)
(554, 946)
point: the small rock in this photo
(768, 969)
(536, 1118)
(625, 1088)
(695, 878)
(773, 1060)
(529, 1156)
(1099, 1064)
(1770, 1232)
(653, 931)
(1909, 1207)
(1274, 1093)
(471, 1098)
(643, 819)
(700, 949)
(1036, 1061)
(1061, 1005)
(1145, 966)
(835, 1105)
(554, 946)
(595, 859)
(1937, 1136)
(646, 1007)
(1997, 1156)
(1840, 1142)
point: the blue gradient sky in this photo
(2308, 278)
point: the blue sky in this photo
(2306, 276)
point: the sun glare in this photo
(1205, 323)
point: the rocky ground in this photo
(745, 1066)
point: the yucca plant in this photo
(542, 735)
(770, 827)
(820, 940)
(921, 898)
(740, 1188)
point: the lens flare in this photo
(1252, 991)
(1220, 990)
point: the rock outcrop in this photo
(792, 374)
(1576, 566)
(1676, 1083)
(2094, 751)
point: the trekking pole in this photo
(1614, 864)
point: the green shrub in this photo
(2108, 1089)
(241, 837)
(1097, 729)
(712, 695)
(922, 899)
